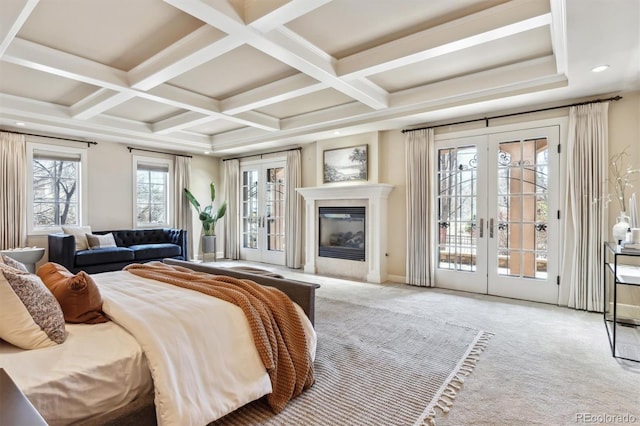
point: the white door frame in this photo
(261, 253)
(444, 278)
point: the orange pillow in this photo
(78, 294)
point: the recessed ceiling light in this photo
(207, 152)
(337, 132)
(600, 68)
(19, 123)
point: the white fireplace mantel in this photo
(374, 197)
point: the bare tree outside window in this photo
(55, 187)
(152, 196)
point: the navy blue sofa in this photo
(133, 246)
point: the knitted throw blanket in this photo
(275, 325)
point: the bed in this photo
(190, 355)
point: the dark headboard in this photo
(304, 294)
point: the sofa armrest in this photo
(179, 237)
(62, 249)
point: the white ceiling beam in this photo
(98, 102)
(492, 24)
(42, 58)
(179, 122)
(52, 61)
(280, 45)
(559, 34)
(191, 119)
(195, 49)
(524, 77)
(293, 9)
(14, 15)
(54, 116)
(271, 93)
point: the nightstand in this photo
(15, 408)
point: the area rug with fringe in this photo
(376, 367)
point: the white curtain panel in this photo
(585, 219)
(13, 176)
(182, 210)
(232, 218)
(419, 160)
(293, 211)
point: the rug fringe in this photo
(447, 395)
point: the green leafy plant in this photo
(208, 220)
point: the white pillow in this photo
(96, 241)
(30, 316)
(80, 232)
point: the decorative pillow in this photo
(78, 295)
(14, 263)
(30, 317)
(80, 233)
(100, 241)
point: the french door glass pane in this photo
(275, 196)
(522, 208)
(457, 183)
(250, 209)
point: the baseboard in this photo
(396, 278)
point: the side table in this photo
(620, 270)
(28, 256)
(15, 408)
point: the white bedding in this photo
(99, 368)
(199, 349)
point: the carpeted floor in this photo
(545, 365)
(376, 367)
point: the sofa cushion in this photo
(155, 251)
(100, 241)
(103, 255)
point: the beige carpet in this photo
(377, 367)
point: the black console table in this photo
(620, 269)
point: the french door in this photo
(497, 199)
(262, 213)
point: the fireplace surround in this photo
(374, 199)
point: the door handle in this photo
(481, 228)
(491, 228)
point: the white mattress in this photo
(98, 369)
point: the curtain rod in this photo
(130, 148)
(89, 143)
(264, 153)
(486, 119)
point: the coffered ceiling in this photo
(232, 76)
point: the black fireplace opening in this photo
(342, 233)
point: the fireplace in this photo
(341, 233)
(370, 198)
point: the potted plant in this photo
(208, 219)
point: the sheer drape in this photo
(585, 221)
(419, 148)
(232, 218)
(293, 211)
(13, 175)
(182, 210)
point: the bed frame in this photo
(304, 294)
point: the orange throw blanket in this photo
(275, 325)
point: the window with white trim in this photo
(152, 191)
(55, 185)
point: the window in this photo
(55, 180)
(152, 191)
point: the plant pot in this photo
(209, 244)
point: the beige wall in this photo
(624, 130)
(110, 176)
(110, 186)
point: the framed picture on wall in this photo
(345, 164)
